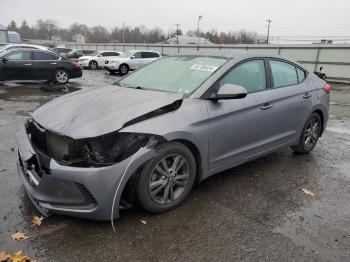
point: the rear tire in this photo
(167, 179)
(93, 65)
(309, 135)
(61, 76)
(123, 69)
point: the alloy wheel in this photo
(61, 77)
(169, 179)
(312, 132)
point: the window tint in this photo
(22, 55)
(301, 75)
(154, 54)
(283, 74)
(250, 75)
(137, 55)
(44, 56)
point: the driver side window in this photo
(250, 75)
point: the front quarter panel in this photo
(189, 123)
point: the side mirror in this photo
(132, 57)
(229, 91)
(4, 59)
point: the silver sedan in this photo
(151, 136)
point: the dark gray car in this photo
(178, 120)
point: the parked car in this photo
(131, 60)
(97, 59)
(7, 47)
(33, 64)
(79, 52)
(175, 121)
(61, 50)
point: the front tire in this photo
(61, 76)
(124, 69)
(310, 135)
(93, 65)
(167, 179)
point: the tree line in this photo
(49, 30)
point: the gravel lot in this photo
(255, 212)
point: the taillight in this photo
(327, 88)
(76, 63)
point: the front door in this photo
(241, 129)
(19, 66)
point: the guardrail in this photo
(334, 58)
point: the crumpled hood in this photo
(99, 111)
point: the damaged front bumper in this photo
(74, 191)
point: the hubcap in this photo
(311, 132)
(61, 77)
(168, 179)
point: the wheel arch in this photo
(321, 115)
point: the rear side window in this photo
(44, 56)
(137, 55)
(250, 75)
(283, 74)
(22, 55)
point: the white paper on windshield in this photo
(208, 68)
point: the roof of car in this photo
(141, 50)
(26, 49)
(230, 54)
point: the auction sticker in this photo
(208, 68)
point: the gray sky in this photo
(290, 18)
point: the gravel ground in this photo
(254, 212)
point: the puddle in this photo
(339, 130)
(28, 91)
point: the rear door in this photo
(293, 103)
(19, 66)
(44, 65)
(148, 57)
(241, 129)
(135, 60)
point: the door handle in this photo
(28, 64)
(307, 96)
(53, 63)
(266, 106)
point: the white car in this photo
(6, 47)
(131, 60)
(97, 59)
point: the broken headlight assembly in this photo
(98, 151)
(104, 150)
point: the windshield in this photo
(2, 47)
(182, 74)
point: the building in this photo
(187, 40)
(78, 38)
(3, 34)
(14, 37)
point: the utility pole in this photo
(177, 33)
(199, 19)
(123, 33)
(268, 30)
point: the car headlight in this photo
(82, 60)
(105, 150)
